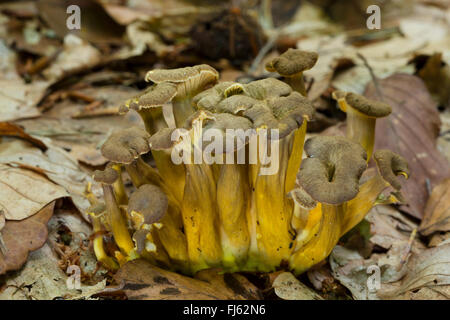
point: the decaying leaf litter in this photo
(61, 92)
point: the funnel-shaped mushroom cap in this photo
(147, 205)
(332, 170)
(189, 79)
(390, 165)
(107, 176)
(369, 108)
(140, 239)
(292, 62)
(126, 145)
(156, 96)
(267, 103)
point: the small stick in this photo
(408, 248)
(372, 75)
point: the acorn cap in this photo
(193, 79)
(370, 108)
(332, 170)
(126, 145)
(292, 62)
(390, 165)
(107, 176)
(147, 204)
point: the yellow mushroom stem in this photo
(360, 128)
(172, 174)
(182, 109)
(295, 156)
(119, 188)
(321, 234)
(274, 212)
(117, 222)
(153, 119)
(297, 83)
(368, 197)
(232, 198)
(98, 245)
(200, 217)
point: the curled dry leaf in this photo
(288, 287)
(24, 192)
(143, 281)
(411, 131)
(437, 210)
(21, 237)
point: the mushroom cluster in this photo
(250, 205)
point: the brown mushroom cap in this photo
(390, 165)
(301, 197)
(268, 103)
(292, 62)
(126, 145)
(156, 96)
(370, 108)
(191, 79)
(139, 239)
(107, 176)
(150, 202)
(332, 170)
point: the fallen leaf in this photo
(429, 268)
(21, 237)
(24, 192)
(143, 281)
(13, 130)
(55, 163)
(288, 287)
(437, 210)
(233, 284)
(18, 100)
(42, 279)
(411, 131)
(77, 55)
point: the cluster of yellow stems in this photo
(195, 215)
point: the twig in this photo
(372, 75)
(262, 53)
(407, 249)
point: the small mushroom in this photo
(150, 105)
(96, 212)
(390, 165)
(291, 65)
(115, 218)
(361, 117)
(188, 81)
(147, 205)
(330, 176)
(125, 147)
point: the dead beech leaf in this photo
(21, 237)
(411, 131)
(288, 287)
(143, 281)
(427, 269)
(24, 192)
(18, 100)
(234, 284)
(437, 210)
(55, 163)
(13, 130)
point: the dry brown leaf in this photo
(24, 192)
(21, 237)
(437, 210)
(143, 281)
(288, 287)
(233, 284)
(411, 131)
(18, 100)
(428, 269)
(55, 163)
(13, 130)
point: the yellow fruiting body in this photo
(232, 215)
